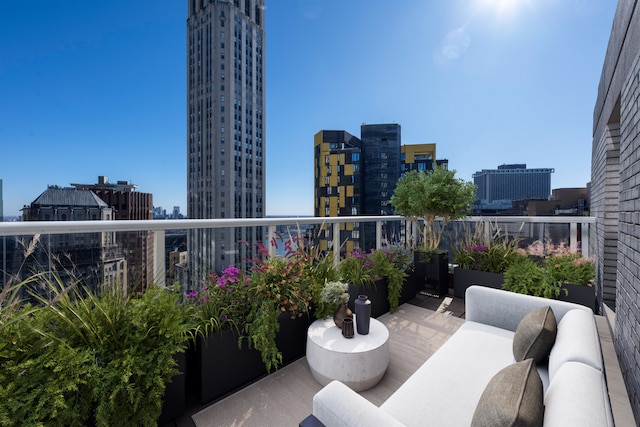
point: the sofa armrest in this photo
(336, 405)
(504, 309)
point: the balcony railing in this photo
(571, 232)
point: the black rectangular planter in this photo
(174, 401)
(291, 339)
(463, 278)
(579, 294)
(378, 294)
(432, 270)
(220, 366)
(410, 287)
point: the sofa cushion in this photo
(535, 335)
(577, 397)
(449, 384)
(577, 340)
(513, 397)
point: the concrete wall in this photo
(616, 189)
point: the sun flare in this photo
(503, 8)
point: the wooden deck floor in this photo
(416, 330)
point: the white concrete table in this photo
(359, 362)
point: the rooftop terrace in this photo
(417, 329)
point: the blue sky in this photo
(97, 87)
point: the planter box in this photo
(291, 339)
(579, 294)
(432, 270)
(463, 278)
(174, 401)
(410, 287)
(378, 293)
(220, 366)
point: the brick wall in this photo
(627, 331)
(615, 189)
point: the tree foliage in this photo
(432, 195)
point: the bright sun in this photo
(504, 8)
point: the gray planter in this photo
(463, 278)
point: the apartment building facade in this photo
(357, 176)
(138, 246)
(95, 258)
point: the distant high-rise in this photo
(95, 258)
(1, 205)
(129, 204)
(225, 129)
(512, 182)
(357, 176)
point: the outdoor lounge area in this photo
(416, 331)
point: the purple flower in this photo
(192, 294)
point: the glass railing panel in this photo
(157, 251)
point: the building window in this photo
(354, 211)
(355, 157)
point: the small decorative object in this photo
(335, 292)
(347, 327)
(343, 312)
(363, 314)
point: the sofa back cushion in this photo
(535, 335)
(513, 397)
(576, 340)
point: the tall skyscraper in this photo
(225, 129)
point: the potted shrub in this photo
(480, 263)
(379, 274)
(391, 263)
(429, 196)
(82, 358)
(334, 294)
(562, 276)
(222, 361)
(281, 296)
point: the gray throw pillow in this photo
(512, 398)
(535, 335)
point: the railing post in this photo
(584, 241)
(573, 237)
(271, 234)
(336, 244)
(378, 234)
(159, 271)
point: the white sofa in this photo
(446, 389)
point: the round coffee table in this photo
(359, 362)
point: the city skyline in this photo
(99, 88)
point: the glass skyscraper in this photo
(225, 129)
